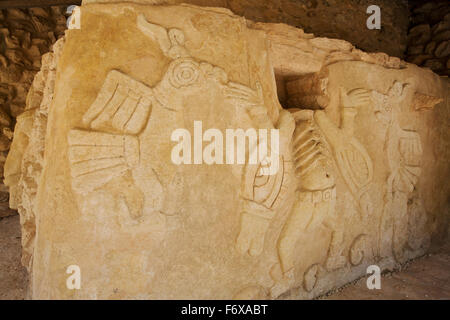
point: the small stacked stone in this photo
(25, 35)
(429, 37)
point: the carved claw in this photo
(355, 98)
(245, 96)
(134, 200)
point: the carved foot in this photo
(283, 281)
(310, 277)
(335, 262)
(134, 199)
(252, 234)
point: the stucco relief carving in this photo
(321, 150)
(352, 159)
(350, 190)
(108, 146)
(261, 193)
(404, 151)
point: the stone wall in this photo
(364, 145)
(429, 36)
(362, 159)
(25, 35)
(29, 33)
(340, 19)
(335, 19)
(25, 159)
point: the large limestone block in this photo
(360, 147)
(25, 161)
(26, 36)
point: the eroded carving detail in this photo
(261, 193)
(357, 249)
(108, 146)
(25, 161)
(320, 147)
(404, 153)
(352, 159)
(310, 277)
(159, 227)
(315, 195)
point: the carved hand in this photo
(355, 98)
(245, 96)
(410, 147)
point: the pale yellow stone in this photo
(363, 159)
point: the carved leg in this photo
(134, 199)
(301, 216)
(400, 237)
(327, 209)
(171, 203)
(335, 259)
(316, 178)
(258, 204)
(126, 189)
(253, 230)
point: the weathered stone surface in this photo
(341, 19)
(363, 159)
(443, 49)
(420, 34)
(434, 64)
(430, 29)
(429, 49)
(25, 161)
(419, 59)
(5, 211)
(441, 26)
(25, 34)
(442, 36)
(415, 50)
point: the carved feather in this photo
(122, 105)
(96, 157)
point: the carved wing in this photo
(407, 175)
(109, 146)
(355, 165)
(410, 147)
(122, 105)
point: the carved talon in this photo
(134, 200)
(245, 96)
(354, 98)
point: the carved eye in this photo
(388, 109)
(183, 72)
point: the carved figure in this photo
(404, 151)
(109, 146)
(351, 157)
(317, 142)
(261, 193)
